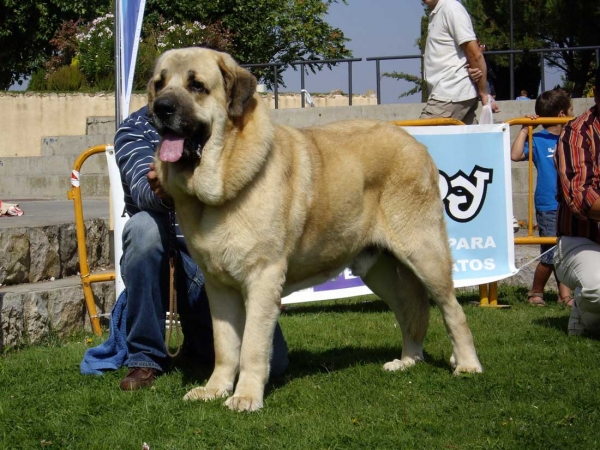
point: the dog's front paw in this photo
(453, 361)
(244, 403)
(203, 393)
(469, 367)
(400, 364)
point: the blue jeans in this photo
(145, 271)
(546, 221)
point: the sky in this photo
(376, 28)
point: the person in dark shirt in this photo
(577, 255)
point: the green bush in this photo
(96, 54)
(147, 54)
(38, 81)
(84, 56)
(66, 79)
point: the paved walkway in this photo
(39, 213)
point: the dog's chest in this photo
(222, 246)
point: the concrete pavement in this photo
(39, 213)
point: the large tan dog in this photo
(267, 210)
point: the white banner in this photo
(117, 209)
(130, 14)
(475, 185)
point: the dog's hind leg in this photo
(431, 262)
(403, 292)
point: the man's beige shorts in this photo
(577, 264)
(463, 111)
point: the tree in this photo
(573, 24)
(539, 24)
(265, 31)
(26, 29)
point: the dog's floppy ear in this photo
(240, 85)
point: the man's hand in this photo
(474, 74)
(156, 187)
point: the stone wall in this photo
(33, 254)
(27, 118)
(58, 310)
(40, 287)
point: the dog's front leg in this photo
(262, 311)
(228, 316)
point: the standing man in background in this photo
(451, 48)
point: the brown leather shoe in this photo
(138, 378)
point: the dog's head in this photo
(190, 90)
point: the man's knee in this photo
(435, 109)
(589, 294)
(144, 232)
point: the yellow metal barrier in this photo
(86, 278)
(533, 123)
(427, 122)
(488, 295)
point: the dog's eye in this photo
(159, 85)
(197, 86)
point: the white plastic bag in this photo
(487, 116)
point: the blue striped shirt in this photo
(136, 141)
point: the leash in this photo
(173, 321)
(534, 259)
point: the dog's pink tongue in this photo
(171, 148)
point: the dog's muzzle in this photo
(181, 136)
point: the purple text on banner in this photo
(340, 282)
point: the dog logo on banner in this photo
(464, 195)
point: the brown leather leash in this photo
(173, 321)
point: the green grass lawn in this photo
(540, 389)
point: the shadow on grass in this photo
(366, 304)
(557, 323)
(304, 363)
(369, 305)
(561, 324)
(192, 371)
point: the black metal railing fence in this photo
(377, 59)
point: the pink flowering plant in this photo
(180, 35)
(171, 35)
(96, 51)
(96, 46)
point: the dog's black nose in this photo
(164, 107)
